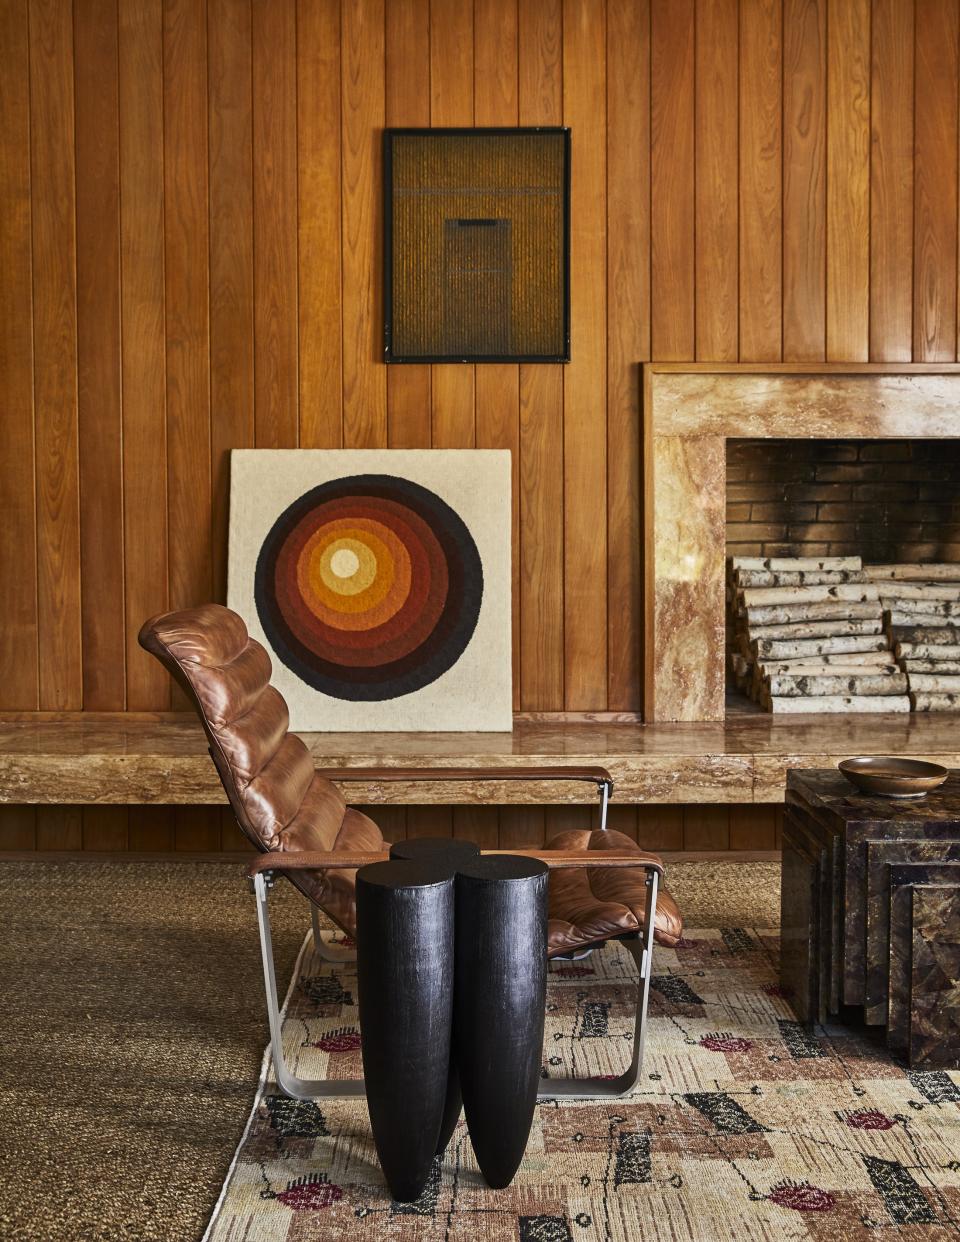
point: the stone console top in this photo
(834, 796)
(137, 759)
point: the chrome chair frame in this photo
(640, 947)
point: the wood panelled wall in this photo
(191, 262)
(190, 258)
(207, 829)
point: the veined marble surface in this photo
(688, 417)
(125, 759)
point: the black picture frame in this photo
(391, 355)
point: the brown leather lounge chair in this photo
(292, 812)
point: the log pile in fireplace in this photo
(921, 610)
(832, 635)
(808, 636)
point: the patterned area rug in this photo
(746, 1124)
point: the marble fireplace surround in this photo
(690, 410)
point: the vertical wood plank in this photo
(479, 824)
(935, 183)
(453, 405)
(318, 167)
(706, 828)
(572, 818)
(453, 388)
(804, 180)
(498, 386)
(362, 108)
(196, 829)
(142, 342)
(276, 383)
(540, 61)
(541, 538)
(761, 214)
(408, 406)
(231, 256)
(150, 828)
(584, 378)
(98, 353)
(408, 104)
(104, 828)
(717, 204)
(891, 182)
(187, 309)
(18, 549)
(623, 819)
(430, 821)
(59, 828)
(495, 55)
(18, 824)
(540, 72)
(672, 215)
(231, 834)
(628, 333)
(521, 827)
(391, 820)
(848, 180)
(660, 827)
(753, 827)
(55, 354)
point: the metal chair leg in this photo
(287, 1081)
(641, 949)
(604, 804)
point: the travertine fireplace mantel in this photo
(690, 411)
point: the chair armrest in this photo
(555, 859)
(595, 775)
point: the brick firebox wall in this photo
(884, 500)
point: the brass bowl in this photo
(889, 777)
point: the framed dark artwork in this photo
(477, 245)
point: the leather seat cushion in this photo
(336, 891)
(593, 904)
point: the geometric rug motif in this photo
(746, 1125)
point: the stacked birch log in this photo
(921, 607)
(808, 636)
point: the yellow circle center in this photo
(347, 566)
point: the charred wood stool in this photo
(405, 959)
(500, 998)
(450, 853)
(451, 976)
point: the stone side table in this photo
(870, 911)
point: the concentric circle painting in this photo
(379, 581)
(369, 587)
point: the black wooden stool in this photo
(451, 975)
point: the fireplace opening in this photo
(843, 575)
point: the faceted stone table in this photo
(870, 911)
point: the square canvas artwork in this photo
(379, 582)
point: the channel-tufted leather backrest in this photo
(279, 800)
